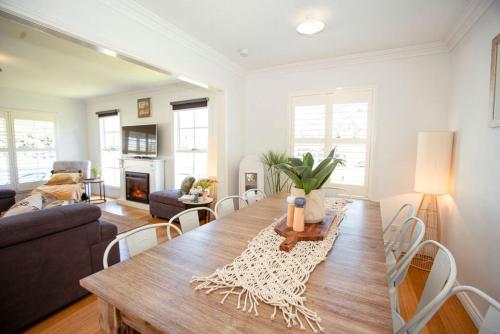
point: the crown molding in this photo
(357, 58)
(473, 11)
(144, 16)
(136, 12)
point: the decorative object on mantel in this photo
(308, 182)
(270, 279)
(432, 179)
(495, 82)
(144, 107)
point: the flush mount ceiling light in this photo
(310, 27)
(106, 51)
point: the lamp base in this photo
(428, 212)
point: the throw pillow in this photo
(187, 184)
(30, 203)
(63, 178)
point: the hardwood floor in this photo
(82, 317)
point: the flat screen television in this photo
(140, 140)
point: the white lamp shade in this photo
(434, 151)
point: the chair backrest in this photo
(491, 321)
(253, 195)
(439, 283)
(189, 219)
(73, 166)
(225, 205)
(417, 228)
(138, 240)
(335, 191)
(411, 213)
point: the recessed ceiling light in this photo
(310, 27)
(106, 51)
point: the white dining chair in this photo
(490, 324)
(139, 240)
(189, 219)
(439, 283)
(253, 195)
(410, 213)
(226, 206)
(403, 241)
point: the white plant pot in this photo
(314, 211)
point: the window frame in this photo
(194, 150)
(102, 150)
(328, 97)
(10, 116)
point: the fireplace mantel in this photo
(154, 167)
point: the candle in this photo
(298, 215)
(291, 209)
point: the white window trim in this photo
(193, 150)
(120, 179)
(10, 115)
(358, 191)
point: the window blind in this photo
(190, 104)
(107, 113)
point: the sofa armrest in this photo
(37, 224)
(108, 230)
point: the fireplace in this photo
(137, 187)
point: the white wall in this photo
(411, 96)
(473, 230)
(71, 116)
(161, 114)
(127, 28)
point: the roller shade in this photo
(189, 104)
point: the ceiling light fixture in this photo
(191, 81)
(107, 52)
(310, 27)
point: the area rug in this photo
(123, 223)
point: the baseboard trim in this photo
(470, 308)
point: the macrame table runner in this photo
(263, 273)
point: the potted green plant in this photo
(276, 182)
(94, 171)
(308, 180)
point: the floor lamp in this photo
(431, 179)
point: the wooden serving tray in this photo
(312, 232)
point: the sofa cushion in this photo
(169, 197)
(29, 204)
(33, 225)
(7, 193)
(187, 184)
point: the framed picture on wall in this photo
(144, 107)
(495, 83)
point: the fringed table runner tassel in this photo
(263, 273)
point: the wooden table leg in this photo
(109, 318)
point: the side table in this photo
(87, 187)
(203, 215)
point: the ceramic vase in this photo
(314, 211)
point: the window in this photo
(34, 147)
(109, 127)
(5, 176)
(340, 119)
(191, 142)
(27, 148)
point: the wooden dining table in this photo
(151, 292)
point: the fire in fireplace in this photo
(137, 187)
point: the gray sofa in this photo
(43, 255)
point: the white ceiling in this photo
(267, 27)
(34, 61)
